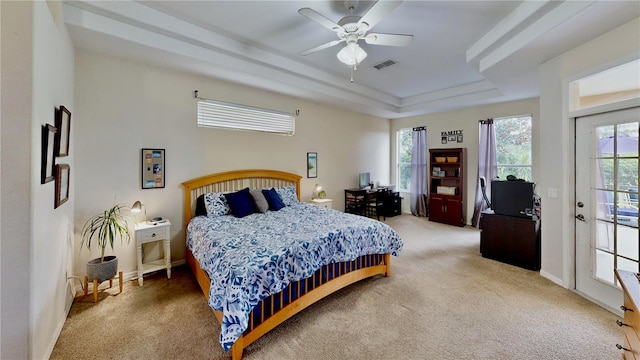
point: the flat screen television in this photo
(364, 180)
(512, 198)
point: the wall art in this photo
(47, 161)
(153, 170)
(63, 124)
(312, 165)
(63, 174)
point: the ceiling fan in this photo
(352, 28)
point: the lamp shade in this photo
(137, 207)
(352, 54)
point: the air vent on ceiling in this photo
(384, 64)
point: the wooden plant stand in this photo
(95, 285)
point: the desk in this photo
(355, 201)
(509, 239)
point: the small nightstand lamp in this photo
(137, 207)
(316, 191)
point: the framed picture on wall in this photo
(443, 140)
(47, 161)
(153, 170)
(62, 184)
(63, 124)
(459, 138)
(312, 165)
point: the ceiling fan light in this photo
(352, 54)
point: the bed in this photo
(258, 278)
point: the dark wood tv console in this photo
(509, 239)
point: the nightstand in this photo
(149, 232)
(325, 203)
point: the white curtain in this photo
(419, 179)
(487, 167)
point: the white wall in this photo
(466, 120)
(123, 106)
(15, 161)
(556, 152)
(37, 75)
(52, 251)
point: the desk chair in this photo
(375, 203)
(355, 201)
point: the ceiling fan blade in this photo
(388, 39)
(320, 19)
(321, 47)
(379, 10)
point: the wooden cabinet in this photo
(630, 325)
(447, 195)
(509, 239)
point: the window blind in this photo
(222, 115)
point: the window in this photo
(404, 143)
(221, 115)
(513, 142)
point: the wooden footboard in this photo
(310, 290)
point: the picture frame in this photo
(63, 176)
(153, 169)
(443, 140)
(452, 138)
(63, 124)
(47, 161)
(459, 138)
(312, 165)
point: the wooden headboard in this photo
(233, 181)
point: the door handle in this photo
(580, 204)
(581, 217)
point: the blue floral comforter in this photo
(250, 258)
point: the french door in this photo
(606, 208)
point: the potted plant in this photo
(105, 228)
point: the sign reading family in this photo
(451, 136)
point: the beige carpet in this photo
(442, 301)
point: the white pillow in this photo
(288, 194)
(216, 204)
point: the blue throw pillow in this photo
(273, 198)
(241, 203)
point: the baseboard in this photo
(128, 276)
(555, 279)
(58, 329)
(602, 305)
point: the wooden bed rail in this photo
(363, 267)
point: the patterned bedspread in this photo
(250, 258)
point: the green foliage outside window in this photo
(513, 142)
(405, 144)
(626, 158)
